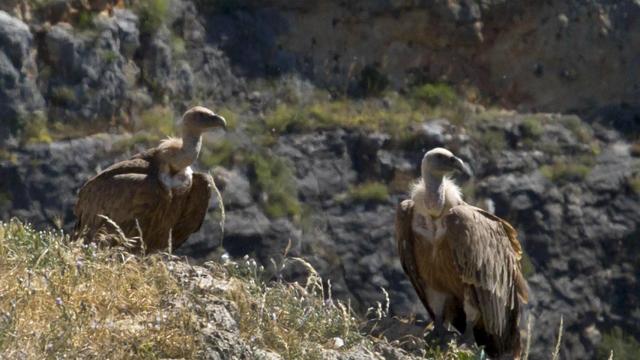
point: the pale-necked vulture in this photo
(463, 262)
(155, 194)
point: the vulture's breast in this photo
(434, 257)
(178, 183)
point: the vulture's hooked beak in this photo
(218, 121)
(462, 166)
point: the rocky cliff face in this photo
(533, 55)
(571, 186)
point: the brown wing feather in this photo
(487, 259)
(123, 192)
(405, 240)
(192, 208)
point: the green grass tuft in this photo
(374, 192)
(493, 140)
(528, 269)
(275, 186)
(624, 346)
(220, 153)
(565, 171)
(531, 128)
(152, 14)
(158, 120)
(634, 182)
(36, 129)
(437, 94)
(63, 95)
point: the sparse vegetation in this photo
(436, 94)
(531, 128)
(634, 182)
(391, 114)
(569, 170)
(219, 153)
(296, 322)
(275, 186)
(152, 14)
(493, 140)
(35, 129)
(527, 266)
(369, 192)
(158, 119)
(63, 95)
(624, 346)
(580, 130)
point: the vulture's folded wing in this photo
(192, 207)
(130, 166)
(124, 193)
(486, 253)
(405, 242)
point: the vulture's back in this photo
(125, 192)
(131, 194)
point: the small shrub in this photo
(36, 129)
(137, 141)
(158, 119)
(286, 118)
(565, 171)
(527, 266)
(220, 153)
(438, 94)
(84, 20)
(624, 346)
(63, 95)
(178, 45)
(494, 140)
(110, 56)
(634, 182)
(152, 14)
(581, 130)
(275, 186)
(370, 192)
(531, 128)
(229, 115)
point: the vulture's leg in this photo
(471, 314)
(437, 301)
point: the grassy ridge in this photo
(64, 299)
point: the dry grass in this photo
(291, 319)
(61, 299)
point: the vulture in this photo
(463, 262)
(155, 195)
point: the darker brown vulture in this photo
(154, 195)
(463, 261)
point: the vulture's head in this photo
(441, 162)
(200, 119)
